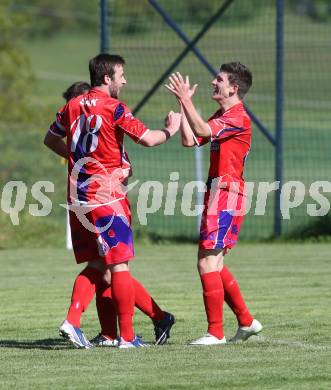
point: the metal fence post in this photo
(279, 112)
(104, 26)
(198, 156)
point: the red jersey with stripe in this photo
(230, 143)
(94, 125)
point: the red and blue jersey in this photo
(230, 143)
(230, 136)
(94, 125)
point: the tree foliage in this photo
(16, 79)
(133, 16)
(318, 10)
(48, 17)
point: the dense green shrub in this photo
(16, 79)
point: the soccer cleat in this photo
(74, 335)
(102, 341)
(208, 339)
(244, 332)
(135, 343)
(162, 328)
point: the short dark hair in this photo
(238, 74)
(76, 89)
(103, 65)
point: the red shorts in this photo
(103, 233)
(221, 220)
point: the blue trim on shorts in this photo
(119, 231)
(224, 224)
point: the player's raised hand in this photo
(180, 88)
(172, 122)
(191, 89)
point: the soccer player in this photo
(76, 89)
(162, 321)
(229, 134)
(100, 217)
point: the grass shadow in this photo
(46, 344)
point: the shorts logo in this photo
(207, 236)
(234, 229)
(119, 111)
(103, 247)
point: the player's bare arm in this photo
(186, 131)
(181, 89)
(158, 137)
(56, 144)
(187, 135)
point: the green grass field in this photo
(287, 287)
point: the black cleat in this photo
(162, 328)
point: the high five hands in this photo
(172, 122)
(180, 88)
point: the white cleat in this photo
(208, 339)
(74, 335)
(135, 343)
(244, 332)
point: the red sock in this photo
(145, 302)
(213, 297)
(82, 294)
(123, 295)
(106, 311)
(234, 298)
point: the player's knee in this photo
(205, 265)
(201, 266)
(120, 267)
(107, 277)
(209, 261)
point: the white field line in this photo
(290, 343)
